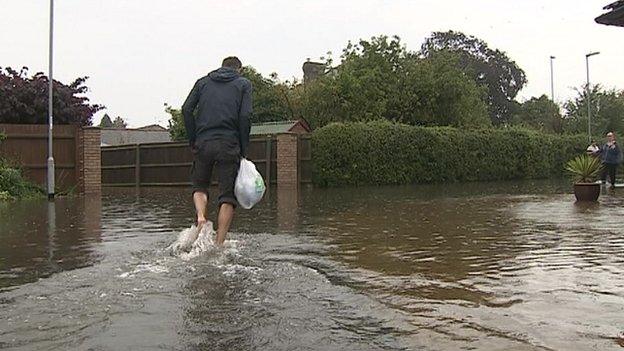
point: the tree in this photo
(607, 111)
(488, 67)
(268, 102)
(541, 114)
(176, 124)
(381, 79)
(119, 123)
(106, 122)
(435, 92)
(24, 99)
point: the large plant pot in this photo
(587, 191)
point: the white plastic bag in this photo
(249, 187)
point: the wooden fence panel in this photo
(305, 159)
(27, 147)
(169, 164)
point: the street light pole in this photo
(50, 107)
(552, 79)
(589, 93)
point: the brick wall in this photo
(89, 160)
(287, 167)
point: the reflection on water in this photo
(40, 238)
(498, 266)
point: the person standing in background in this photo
(611, 156)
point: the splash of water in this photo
(193, 241)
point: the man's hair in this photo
(232, 62)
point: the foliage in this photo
(106, 121)
(176, 124)
(119, 123)
(381, 80)
(491, 68)
(24, 99)
(539, 113)
(272, 100)
(584, 168)
(435, 92)
(13, 185)
(607, 109)
(381, 152)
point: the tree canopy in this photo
(379, 79)
(119, 123)
(106, 121)
(539, 113)
(490, 68)
(607, 111)
(24, 99)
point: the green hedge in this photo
(386, 153)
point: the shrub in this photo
(584, 168)
(24, 99)
(386, 153)
(13, 185)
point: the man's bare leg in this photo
(226, 214)
(200, 199)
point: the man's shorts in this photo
(223, 156)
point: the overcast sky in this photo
(140, 54)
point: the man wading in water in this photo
(218, 134)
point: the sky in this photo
(141, 54)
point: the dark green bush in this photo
(387, 153)
(13, 185)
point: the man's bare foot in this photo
(200, 222)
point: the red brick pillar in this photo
(287, 167)
(89, 160)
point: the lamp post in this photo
(552, 79)
(50, 114)
(589, 94)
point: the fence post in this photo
(90, 165)
(299, 157)
(79, 160)
(137, 165)
(268, 161)
(287, 160)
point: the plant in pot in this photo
(585, 170)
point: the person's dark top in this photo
(224, 106)
(611, 154)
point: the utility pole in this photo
(50, 107)
(552, 79)
(589, 94)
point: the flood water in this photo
(498, 266)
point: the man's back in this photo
(223, 103)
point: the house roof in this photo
(276, 127)
(154, 127)
(133, 136)
(615, 16)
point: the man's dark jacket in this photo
(224, 106)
